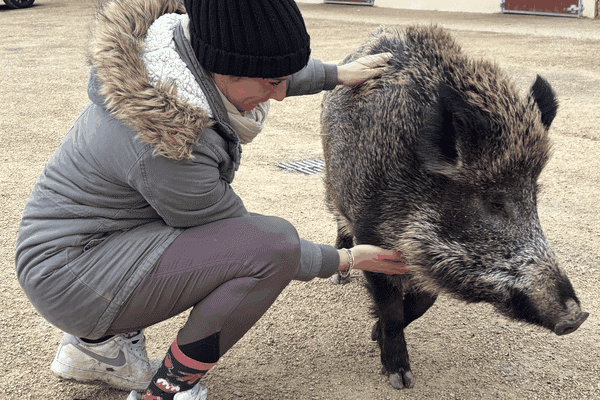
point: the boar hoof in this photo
(571, 325)
(402, 379)
(338, 280)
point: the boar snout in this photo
(572, 321)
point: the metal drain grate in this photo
(311, 166)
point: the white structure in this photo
(476, 6)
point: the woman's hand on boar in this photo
(362, 69)
(374, 259)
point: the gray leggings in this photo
(229, 271)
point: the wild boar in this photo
(439, 159)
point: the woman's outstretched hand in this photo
(374, 259)
(362, 69)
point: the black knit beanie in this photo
(248, 38)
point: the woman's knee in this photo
(280, 241)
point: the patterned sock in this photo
(206, 349)
(178, 373)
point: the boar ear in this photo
(449, 119)
(545, 99)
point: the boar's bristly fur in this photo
(439, 159)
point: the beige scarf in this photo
(247, 124)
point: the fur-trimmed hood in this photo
(119, 80)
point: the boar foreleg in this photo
(395, 311)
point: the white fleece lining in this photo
(164, 64)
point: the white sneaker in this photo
(195, 393)
(119, 361)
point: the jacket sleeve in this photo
(190, 192)
(316, 261)
(314, 78)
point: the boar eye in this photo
(497, 206)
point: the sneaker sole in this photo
(89, 378)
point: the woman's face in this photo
(247, 93)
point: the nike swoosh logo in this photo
(118, 361)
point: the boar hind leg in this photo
(389, 329)
(415, 305)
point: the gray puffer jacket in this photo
(141, 164)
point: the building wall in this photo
(477, 6)
(489, 6)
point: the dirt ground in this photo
(314, 341)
